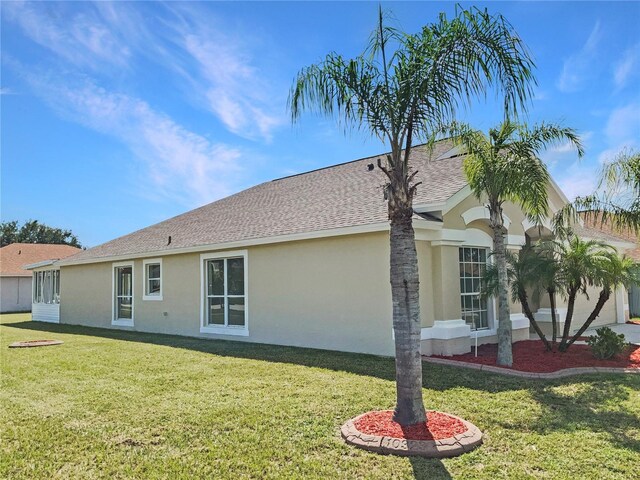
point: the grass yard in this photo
(112, 404)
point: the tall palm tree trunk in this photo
(505, 355)
(406, 324)
(405, 298)
(602, 299)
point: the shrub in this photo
(606, 343)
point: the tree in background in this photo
(404, 88)
(35, 232)
(503, 166)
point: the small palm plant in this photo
(583, 264)
(611, 272)
(522, 275)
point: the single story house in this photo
(15, 280)
(304, 261)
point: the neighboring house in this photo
(605, 232)
(15, 280)
(304, 260)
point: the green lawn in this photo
(110, 404)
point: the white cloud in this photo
(230, 82)
(178, 164)
(577, 67)
(219, 68)
(567, 147)
(81, 39)
(627, 67)
(623, 124)
(578, 180)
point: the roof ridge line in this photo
(348, 162)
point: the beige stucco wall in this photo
(446, 283)
(428, 280)
(583, 307)
(329, 293)
(15, 294)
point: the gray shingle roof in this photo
(344, 195)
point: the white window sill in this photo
(122, 323)
(238, 332)
(157, 298)
(484, 333)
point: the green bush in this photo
(606, 343)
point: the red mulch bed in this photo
(531, 356)
(437, 427)
(633, 322)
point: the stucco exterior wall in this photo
(15, 294)
(329, 293)
(584, 307)
(446, 283)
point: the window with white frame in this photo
(46, 287)
(123, 293)
(225, 294)
(475, 311)
(152, 279)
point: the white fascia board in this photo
(419, 224)
(43, 263)
(557, 188)
(429, 207)
(447, 205)
(457, 198)
(374, 227)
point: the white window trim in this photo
(122, 322)
(492, 302)
(224, 330)
(157, 297)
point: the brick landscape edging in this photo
(447, 447)
(567, 372)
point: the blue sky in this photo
(118, 115)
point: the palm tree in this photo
(611, 271)
(523, 271)
(407, 95)
(504, 166)
(581, 264)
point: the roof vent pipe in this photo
(169, 242)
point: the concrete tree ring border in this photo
(446, 447)
(35, 343)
